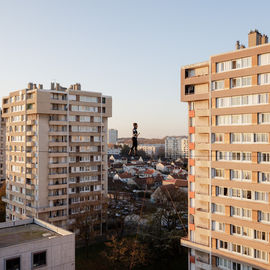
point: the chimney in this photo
(237, 45)
(52, 86)
(40, 86)
(264, 39)
(30, 86)
(57, 86)
(78, 86)
(254, 38)
(34, 86)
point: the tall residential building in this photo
(113, 136)
(184, 147)
(229, 158)
(173, 146)
(56, 149)
(2, 148)
(151, 149)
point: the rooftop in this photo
(18, 232)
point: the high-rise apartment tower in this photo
(229, 158)
(56, 146)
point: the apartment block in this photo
(113, 136)
(56, 154)
(229, 158)
(175, 146)
(2, 148)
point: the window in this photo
(236, 138)
(260, 235)
(223, 244)
(264, 216)
(221, 191)
(72, 97)
(218, 85)
(261, 137)
(235, 119)
(39, 259)
(224, 263)
(218, 137)
(218, 226)
(218, 208)
(264, 177)
(263, 157)
(261, 255)
(236, 230)
(264, 59)
(236, 193)
(13, 264)
(241, 82)
(261, 196)
(88, 99)
(240, 212)
(218, 173)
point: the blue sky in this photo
(131, 50)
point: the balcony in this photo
(202, 264)
(30, 165)
(189, 89)
(30, 133)
(30, 122)
(30, 154)
(203, 196)
(202, 146)
(202, 163)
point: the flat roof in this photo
(16, 235)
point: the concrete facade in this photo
(2, 148)
(151, 149)
(175, 147)
(22, 240)
(229, 165)
(56, 143)
(113, 136)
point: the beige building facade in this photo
(229, 158)
(2, 148)
(56, 153)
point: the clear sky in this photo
(129, 49)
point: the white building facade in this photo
(151, 149)
(113, 136)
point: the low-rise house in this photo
(35, 244)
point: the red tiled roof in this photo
(125, 175)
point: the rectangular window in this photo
(241, 82)
(264, 177)
(261, 137)
(264, 216)
(13, 263)
(218, 85)
(72, 97)
(264, 59)
(88, 99)
(263, 157)
(39, 259)
(218, 173)
(263, 236)
(218, 208)
(218, 137)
